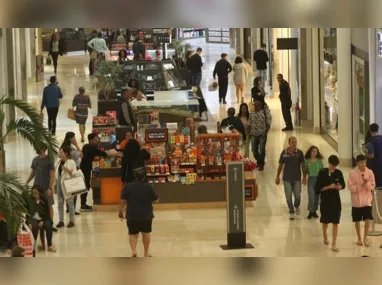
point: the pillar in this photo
(305, 76)
(344, 70)
(372, 74)
(255, 34)
(293, 69)
(316, 74)
(10, 66)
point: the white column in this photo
(372, 73)
(254, 43)
(344, 70)
(293, 67)
(28, 54)
(316, 79)
(3, 66)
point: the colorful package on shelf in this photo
(112, 115)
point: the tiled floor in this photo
(195, 232)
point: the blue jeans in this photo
(292, 187)
(196, 79)
(258, 148)
(61, 202)
(314, 199)
(263, 75)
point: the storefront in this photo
(329, 85)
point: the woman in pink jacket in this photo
(362, 184)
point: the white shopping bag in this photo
(74, 186)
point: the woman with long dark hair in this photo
(122, 56)
(258, 93)
(130, 160)
(244, 117)
(39, 216)
(239, 78)
(313, 165)
(76, 154)
(55, 50)
(65, 168)
(202, 104)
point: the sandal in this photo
(335, 248)
(326, 242)
(135, 255)
(366, 243)
(52, 249)
(360, 243)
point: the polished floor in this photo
(196, 233)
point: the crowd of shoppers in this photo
(252, 122)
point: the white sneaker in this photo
(298, 211)
(291, 217)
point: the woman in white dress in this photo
(240, 75)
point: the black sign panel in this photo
(235, 197)
(156, 135)
(161, 35)
(287, 43)
(249, 192)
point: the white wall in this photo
(360, 39)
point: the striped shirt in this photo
(82, 102)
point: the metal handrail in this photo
(376, 203)
(373, 232)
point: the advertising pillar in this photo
(236, 223)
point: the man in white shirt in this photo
(99, 46)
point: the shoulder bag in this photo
(71, 114)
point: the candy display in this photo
(213, 152)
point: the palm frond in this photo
(31, 112)
(13, 201)
(29, 127)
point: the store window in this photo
(329, 84)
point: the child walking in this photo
(330, 182)
(361, 185)
(313, 165)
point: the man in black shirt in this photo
(139, 214)
(195, 65)
(261, 58)
(233, 123)
(89, 152)
(286, 102)
(222, 69)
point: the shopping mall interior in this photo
(334, 86)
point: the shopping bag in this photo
(25, 240)
(213, 86)
(71, 114)
(48, 60)
(75, 185)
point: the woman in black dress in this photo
(329, 182)
(133, 157)
(258, 93)
(202, 104)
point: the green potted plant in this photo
(13, 192)
(109, 76)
